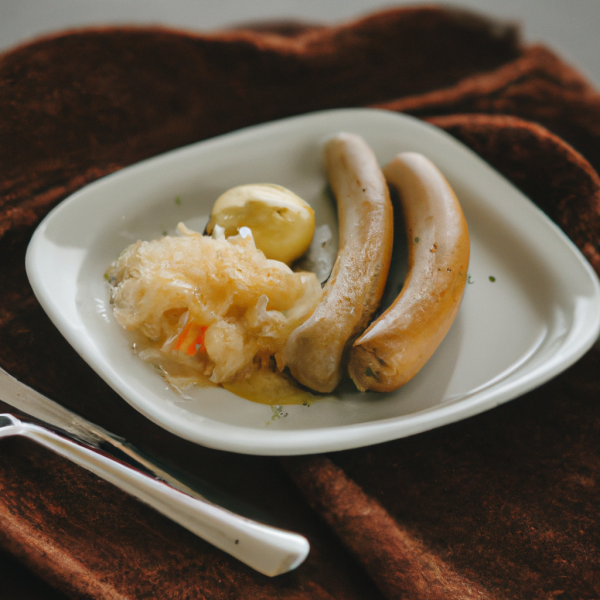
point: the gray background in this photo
(570, 27)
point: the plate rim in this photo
(292, 442)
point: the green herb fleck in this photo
(165, 233)
(416, 240)
(278, 413)
(107, 276)
(469, 280)
(492, 278)
(178, 200)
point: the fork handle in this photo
(269, 550)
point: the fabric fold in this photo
(395, 558)
(501, 505)
(537, 86)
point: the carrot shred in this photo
(191, 339)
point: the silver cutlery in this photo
(267, 549)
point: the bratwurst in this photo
(317, 351)
(395, 346)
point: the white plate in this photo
(539, 316)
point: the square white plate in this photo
(531, 309)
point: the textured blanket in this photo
(502, 505)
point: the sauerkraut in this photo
(211, 306)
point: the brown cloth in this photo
(502, 505)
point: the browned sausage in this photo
(395, 347)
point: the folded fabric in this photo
(500, 505)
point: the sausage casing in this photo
(395, 346)
(317, 351)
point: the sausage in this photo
(317, 351)
(395, 346)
